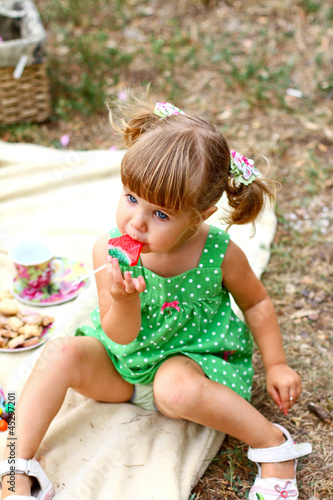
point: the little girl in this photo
(165, 336)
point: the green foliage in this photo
(85, 62)
(311, 6)
(96, 64)
(252, 73)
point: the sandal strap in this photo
(44, 488)
(19, 466)
(286, 451)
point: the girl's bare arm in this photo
(118, 297)
(257, 307)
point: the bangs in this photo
(159, 168)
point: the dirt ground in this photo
(262, 73)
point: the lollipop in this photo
(125, 249)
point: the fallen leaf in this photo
(311, 126)
(303, 313)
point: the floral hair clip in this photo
(242, 168)
(164, 109)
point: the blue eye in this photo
(161, 215)
(132, 199)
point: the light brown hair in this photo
(181, 162)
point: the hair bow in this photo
(164, 109)
(242, 168)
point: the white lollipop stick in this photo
(76, 282)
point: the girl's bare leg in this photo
(181, 390)
(81, 363)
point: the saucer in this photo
(46, 335)
(60, 289)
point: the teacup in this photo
(32, 258)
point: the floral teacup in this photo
(32, 258)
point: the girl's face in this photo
(159, 229)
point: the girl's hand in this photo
(121, 287)
(284, 385)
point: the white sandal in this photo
(273, 488)
(43, 491)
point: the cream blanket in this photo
(95, 450)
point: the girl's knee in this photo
(60, 354)
(177, 391)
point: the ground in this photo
(261, 71)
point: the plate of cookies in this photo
(21, 330)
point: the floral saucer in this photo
(64, 272)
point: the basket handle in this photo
(12, 13)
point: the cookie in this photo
(30, 342)
(19, 329)
(3, 321)
(3, 342)
(8, 307)
(33, 319)
(16, 342)
(14, 323)
(10, 334)
(30, 331)
(47, 320)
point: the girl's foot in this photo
(20, 486)
(28, 475)
(277, 469)
(281, 470)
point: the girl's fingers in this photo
(109, 270)
(114, 274)
(285, 387)
(289, 398)
(117, 277)
(282, 399)
(294, 394)
(109, 264)
(126, 282)
(140, 284)
(276, 397)
(129, 284)
(285, 398)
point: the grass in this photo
(233, 62)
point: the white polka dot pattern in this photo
(204, 328)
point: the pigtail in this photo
(132, 117)
(249, 201)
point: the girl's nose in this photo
(139, 223)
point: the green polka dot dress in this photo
(189, 314)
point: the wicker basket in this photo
(27, 98)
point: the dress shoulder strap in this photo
(215, 247)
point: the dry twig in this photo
(320, 412)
